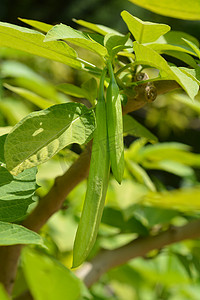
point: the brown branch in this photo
(108, 259)
(63, 185)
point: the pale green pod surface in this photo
(115, 127)
(96, 186)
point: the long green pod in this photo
(96, 186)
(115, 126)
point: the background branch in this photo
(108, 259)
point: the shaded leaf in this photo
(2, 142)
(12, 234)
(132, 225)
(144, 32)
(40, 135)
(30, 96)
(16, 193)
(132, 127)
(115, 43)
(72, 90)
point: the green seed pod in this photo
(97, 184)
(115, 127)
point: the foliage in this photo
(44, 128)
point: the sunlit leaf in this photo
(42, 134)
(31, 41)
(183, 199)
(147, 56)
(101, 29)
(144, 32)
(42, 271)
(73, 36)
(140, 174)
(182, 9)
(3, 295)
(37, 24)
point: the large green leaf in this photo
(132, 127)
(42, 134)
(147, 56)
(12, 234)
(181, 9)
(31, 41)
(48, 278)
(144, 32)
(76, 37)
(16, 193)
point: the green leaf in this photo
(188, 82)
(42, 134)
(193, 46)
(48, 278)
(72, 90)
(144, 32)
(101, 29)
(30, 96)
(195, 105)
(147, 56)
(174, 40)
(184, 199)
(132, 225)
(181, 9)
(140, 174)
(186, 58)
(37, 24)
(31, 41)
(115, 43)
(87, 90)
(132, 127)
(12, 234)
(16, 193)
(3, 294)
(75, 37)
(170, 166)
(193, 73)
(2, 142)
(90, 89)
